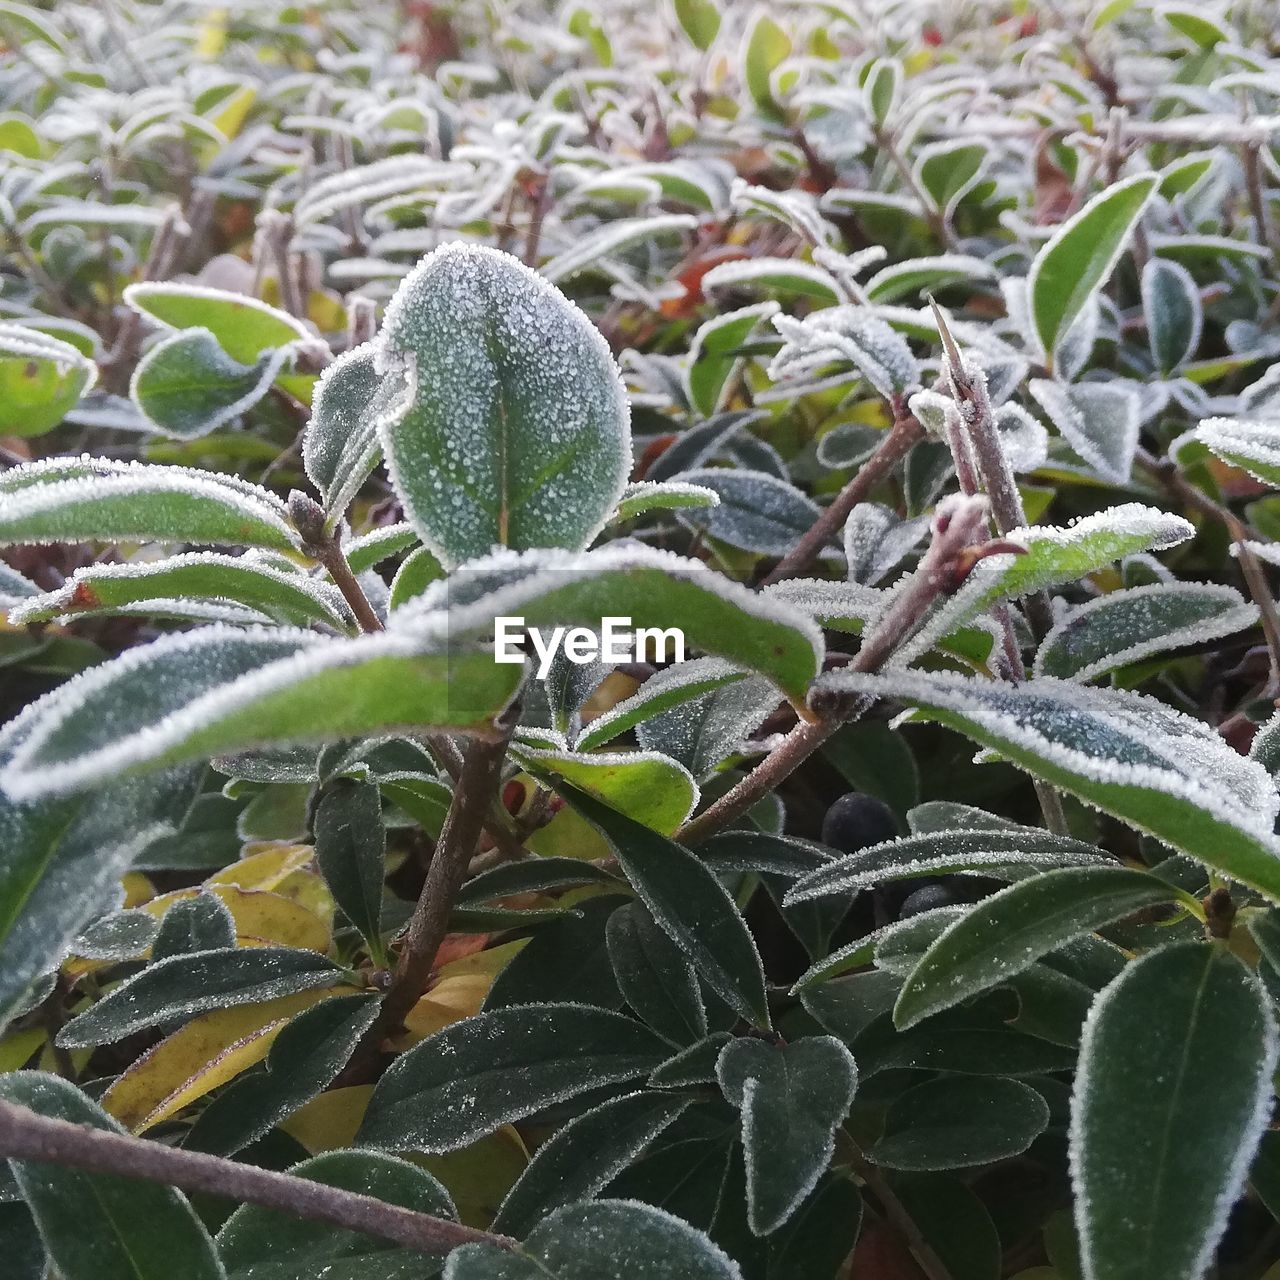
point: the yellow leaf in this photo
(490, 962)
(308, 890)
(234, 110)
(449, 1001)
(137, 889)
(262, 919)
(266, 868)
(201, 1056)
(211, 35)
(479, 1176)
(17, 1049)
(331, 1120)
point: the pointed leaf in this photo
(1012, 929)
(1098, 420)
(483, 1072)
(1181, 1048)
(1173, 312)
(656, 980)
(351, 845)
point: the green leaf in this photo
(699, 20)
(655, 979)
(765, 47)
(882, 86)
(41, 380)
(653, 589)
(714, 353)
(1080, 256)
(821, 1233)
(99, 1227)
(688, 902)
(1012, 929)
(95, 500)
(286, 596)
(63, 860)
(925, 275)
(585, 1156)
(483, 1072)
(657, 495)
(187, 385)
(381, 544)
(202, 923)
(218, 691)
(1099, 420)
(418, 571)
(534, 875)
(1053, 557)
(948, 170)
(1126, 626)
(645, 785)
(1173, 312)
(951, 1217)
(304, 1059)
(756, 511)
(792, 1098)
(959, 1122)
(340, 447)
(516, 433)
(998, 852)
(1252, 446)
(1159, 771)
(263, 1244)
(585, 1242)
(184, 985)
(244, 327)
(351, 845)
(1171, 1097)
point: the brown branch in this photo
(896, 1212)
(468, 809)
(26, 1135)
(323, 546)
(957, 523)
(889, 452)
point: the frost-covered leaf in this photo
(996, 852)
(42, 379)
(876, 541)
(1253, 446)
(646, 785)
(1181, 1045)
(219, 690)
(186, 985)
(271, 1245)
(1024, 439)
(947, 171)
(1099, 420)
(688, 901)
(585, 1156)
(243, 326)
(1007, 932)
(654, 589)
(340, 447)
(613, 238)
(100, 1227)
(95, 500)
(587, 1241)
(255, 583)
(305, 1057)
(793, 1098)
(846, 336)
(656, 980)
(925, 275)
(515, 431)
(350, 849)
(187, 386)
(1053, 557)
(664, 691)
(1173, 312)
(958, 1122)
(15, 588)
(1129, 625)
(1080, 256)
(756, 512)
(1160, 771)
(663, 495)
(792, 277)
(713, 354)
(705, 731)
(479, 1074)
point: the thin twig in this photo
(889, 452)
(26, 1135)
(1262, 597)
(323, 547)
(958, 523)
(899, 1218)
(481, 767)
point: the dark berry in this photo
(857, 821)
(926, 899)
